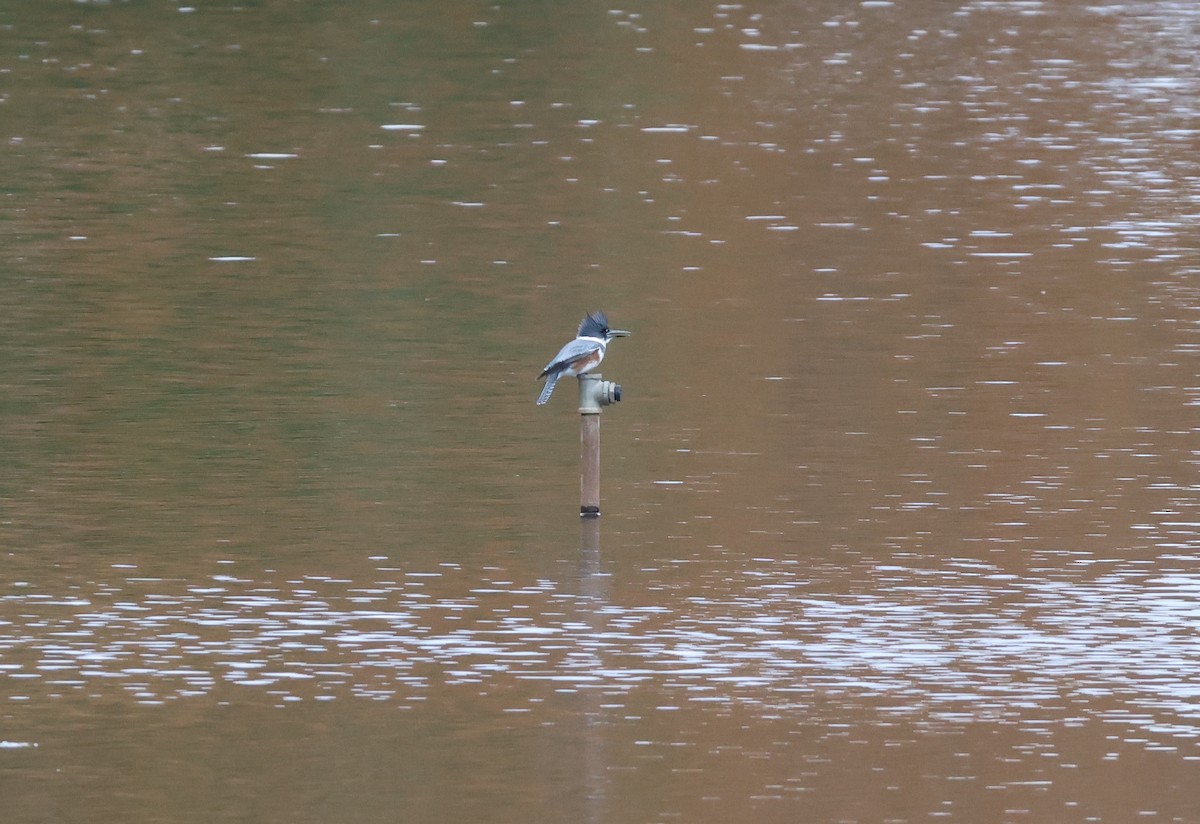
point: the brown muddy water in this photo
(901, 503)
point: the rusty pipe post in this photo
(594, 393)
(589, 478)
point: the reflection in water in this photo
(945, 645)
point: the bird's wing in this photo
(573, 351)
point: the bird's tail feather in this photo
(551, 380)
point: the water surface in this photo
(900, 505)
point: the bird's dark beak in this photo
(617, 333)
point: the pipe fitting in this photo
(595, 392)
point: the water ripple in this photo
(959, 641)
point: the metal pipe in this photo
(589, 478)
(594, 393)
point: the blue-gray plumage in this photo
(580, 355)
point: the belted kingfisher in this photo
(580, 355)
